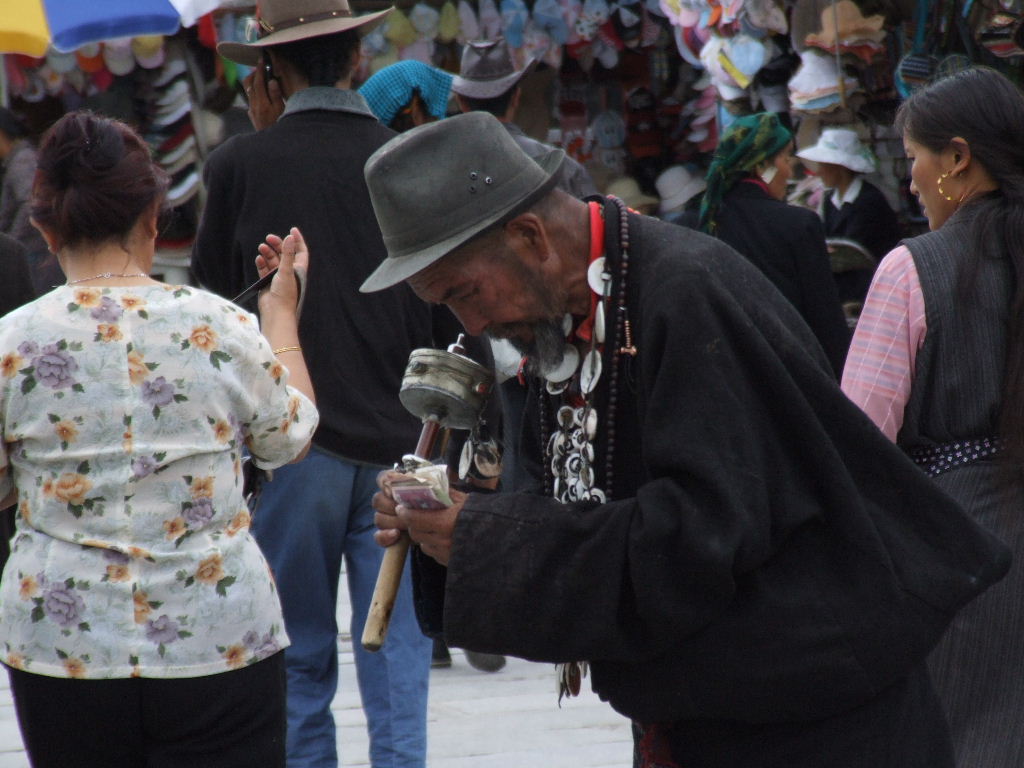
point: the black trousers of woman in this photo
(232, 719)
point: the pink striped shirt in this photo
(879, 368)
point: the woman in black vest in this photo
(937, 361)
(744, 206)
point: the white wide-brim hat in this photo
(841, 146)
(677, 186)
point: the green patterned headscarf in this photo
(747, 144)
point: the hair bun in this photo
(87, 147)
(102, 150)
(95, 177)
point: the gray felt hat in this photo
(436, 186)
(487, 70)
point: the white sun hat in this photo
(841, 146)
(677, 186)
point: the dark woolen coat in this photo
(16, 286)
(772, 570)
(787, 244)
(868, 220)
(306, 171)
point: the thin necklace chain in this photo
(106, 276)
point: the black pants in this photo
(229, 720)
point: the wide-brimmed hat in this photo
(677, 186)
(487, 70)
(436, 186)
(285, 21)
(840, 146)
(627, 189)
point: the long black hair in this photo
(986, 110)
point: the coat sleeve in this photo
(216, 256)
(624, 580)
(821, 306)
(17, 288)
(576, 180)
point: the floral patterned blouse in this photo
(124, 413)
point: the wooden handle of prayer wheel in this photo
(384, 594)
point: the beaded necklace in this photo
(573, 424)
(585, 422)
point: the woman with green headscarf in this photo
(744, 206)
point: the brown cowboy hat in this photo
(487, 70)
(285, 21)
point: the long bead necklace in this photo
(584, 418)
(570, 674)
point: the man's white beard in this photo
(546, 350)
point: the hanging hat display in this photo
(149, 51)
(815, 86)
(514, 15)
(118, 56)
(399, 30)
(548, 16)
(90, 57)
(448, 27)
(59, 61)
(490, 19)
(469, 24)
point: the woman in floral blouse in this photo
(138, 619)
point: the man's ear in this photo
(528, 237)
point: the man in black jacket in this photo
(305, 170)
(754, 573)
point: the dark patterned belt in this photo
(936, 459)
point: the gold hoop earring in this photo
(938, 184)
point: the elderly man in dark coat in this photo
(753, 572)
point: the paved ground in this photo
(508, 719)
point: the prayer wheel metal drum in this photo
(447, 386)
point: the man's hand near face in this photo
(431, 529)
(266, 102)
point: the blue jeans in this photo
(307, 518)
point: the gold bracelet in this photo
(279, 350)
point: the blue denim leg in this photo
(308, 517)
(300, 524)
(393, 682)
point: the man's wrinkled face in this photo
(492, 292)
